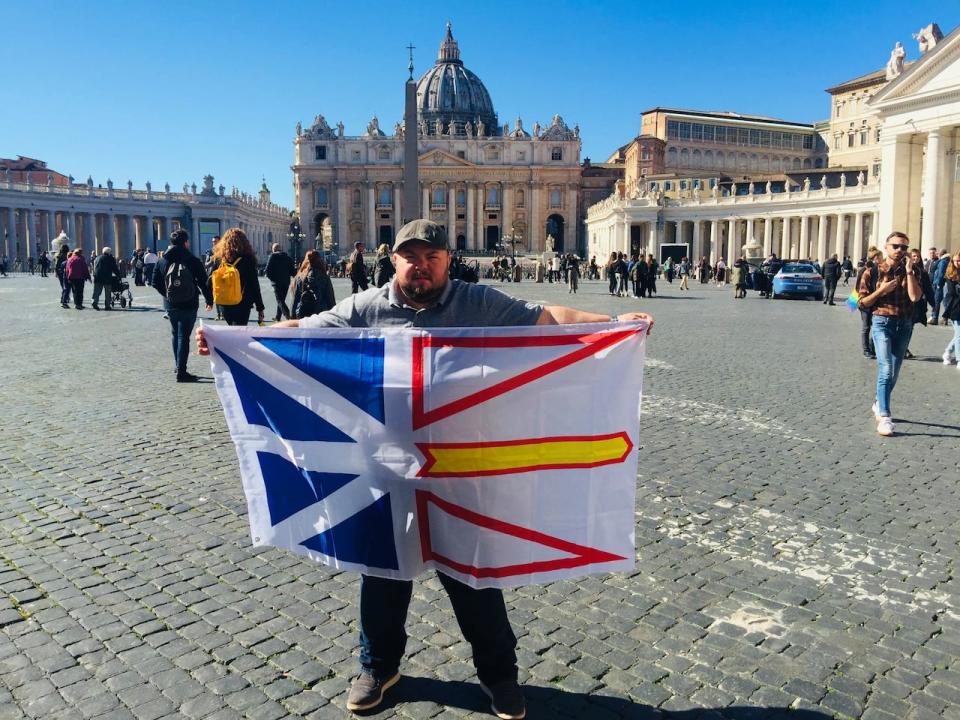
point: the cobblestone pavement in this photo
(790, 561)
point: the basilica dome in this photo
(449, 93)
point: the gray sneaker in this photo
(506, 700)
(367, 691)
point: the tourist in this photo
(105, 271)
(866, 314)
(704, 268)
(610, 270)
(182, 301)
(831, 275)
(60, 269)
(422, 292)
(847, 268)
(44, 263)
(357, 268)
(137, 263)
(621, 271)
(78, 272)
(3, 266)
(383, 269)
(279, 271)
(234, 248)
(951, 308)
(920, 306)
(149, 263)
(633, 272)
(684, 270)
(720, 273)
(573, 274)
(890, 290)
(31, 264)
(652, 270)
(738, 278)
(312, 288)
(594, 273)
(937, 276)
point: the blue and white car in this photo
(798, 278)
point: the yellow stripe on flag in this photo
(514, 456)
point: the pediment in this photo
(936, 72)
(440, 158)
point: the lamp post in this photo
(295, 238)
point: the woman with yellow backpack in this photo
(235, 283)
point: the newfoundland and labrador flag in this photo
(500, 456)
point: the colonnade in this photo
(809, 236)
(24, 230)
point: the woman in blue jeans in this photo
(889, 290)
(951, 308)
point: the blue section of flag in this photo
(290, 488)
(264, 405)
(365, 538)
(351, 367)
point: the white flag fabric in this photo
(501, 456)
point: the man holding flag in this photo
(422, 295)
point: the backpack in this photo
(308, 304)
(181, 286)
(226, 284)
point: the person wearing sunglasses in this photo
(889, 291)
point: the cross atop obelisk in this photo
(411, 176)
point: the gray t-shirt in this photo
(461, 305)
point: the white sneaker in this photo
(875, 408)
(885, 427)
(948, 358)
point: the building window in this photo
(863, 137)
(384, 154)
(668, 185)
(439, 196)
(493, 196)
(808, 142)
(554, 198)
(356, 198)
(385, 195)
(520, 197)
(708, 133)
(673, 129)
(696, 185)
(320, 152)
(684, 131)
(836, 142)
(492, 154)
(653, 186)
(876, 170)
(683, 184)
(849, 140)
(645, 154)
(461, 198)
(556, 154)
(462, 154)
(521, 156)
(355, 156)
(876, 137)
(320, 197)
(696, 132)
(713, 183)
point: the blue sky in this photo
(170, 91)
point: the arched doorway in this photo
(555, 230)
(493, 237)
(385, 235)
(461, 242)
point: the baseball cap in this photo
(424, 230)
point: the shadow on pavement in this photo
(547, 703)
(904, 421)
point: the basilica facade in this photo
(491, 185)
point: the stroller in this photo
(120, 293)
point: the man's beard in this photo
(422, 294)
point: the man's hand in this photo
(202, 347)
(886, 287)
(638, 316)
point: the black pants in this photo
(359, 283)
(830, 286)
(866, 339)
(77, 287)
(651, 286)
(237, 314)
(481, 614)
(280, 293)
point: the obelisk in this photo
(411, 171)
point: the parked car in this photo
(800, 279)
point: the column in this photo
(895, 160)
(30, 234)
(90, 233)
(425, 202)
(451, 215)
(481, 216)
(696, 251)
(785, 237)
(875, 228)
(471, 211)
(51, 227)
(749, 234)
(536, 231)
(397, 208)
(804, 237)
(131, 241)
(71, 218)
(731, 239)
(931, 233)
(857, 251)
(767, 237)
(11, 233)
(371, 217)
(714, 241)
(110, 232)
(194, 243)
(574, 226)
(838, 249)
(822, 238)
(342, 240)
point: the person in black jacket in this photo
(313, 291)
(105, 271)
(831, 275)
(280, 268)
(235, 249)
(383, 269)
(180, 306)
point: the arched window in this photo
(385, 195)
(796, 163)
(384, 153)
(356, 198)
(520, 197)
(671, 157)
(556, 153)
(807, 164)
(493, 196)
(461, 198)
(439, 195)
(555, 197)
(684, 158)
(320, 197)
(697, 159)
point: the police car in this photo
(798, 278)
